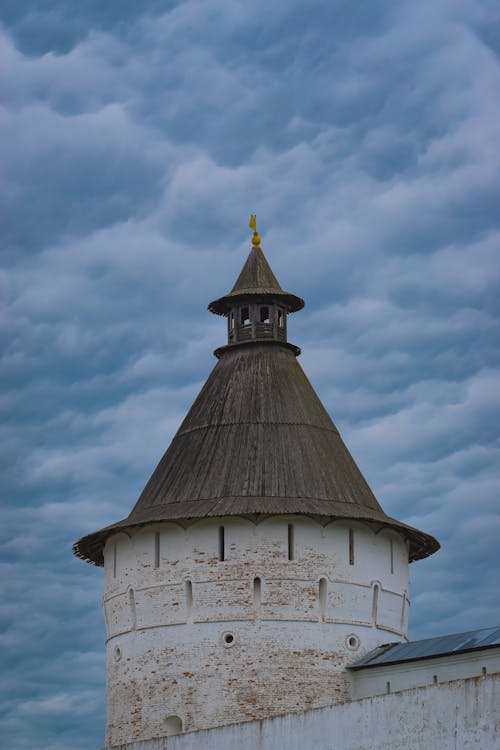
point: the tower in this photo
(257, 562)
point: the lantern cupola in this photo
(256, 308)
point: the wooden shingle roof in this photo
(256, 442)
(256, 280)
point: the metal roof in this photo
(445, 645)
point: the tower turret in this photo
(256, 307)
(257, 562)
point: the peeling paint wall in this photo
(459, 715)
(195, 637)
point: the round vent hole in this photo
(352, 642)
(228, 640)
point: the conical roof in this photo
(256, 280)
(257, 441)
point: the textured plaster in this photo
(167, 657)
(458, 715)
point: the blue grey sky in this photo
(137, 138)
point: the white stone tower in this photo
(257, 561)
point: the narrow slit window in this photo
(435, 679)
(322, 597)
(391, 552)
(257, 592)
(351, 546)
(188, 588)
(281, 319)
(222, 550)
(245, 316)
(157, 549)
(375, 604)
(290, 542)
(264, 315)
(387, 687)
(114, 560)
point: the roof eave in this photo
(223, 305)
(90, 547)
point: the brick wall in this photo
(195, 637)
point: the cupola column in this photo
(256, 320)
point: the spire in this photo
(256, 276)
(257, 441)
(256, 280)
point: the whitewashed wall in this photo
(394, 677)
(171, 604)
(460, 715)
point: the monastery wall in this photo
(409, 674)
(458, 715)
(228, 620)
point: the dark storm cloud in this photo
(41, 26)
(139, 137)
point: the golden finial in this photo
(253, 225)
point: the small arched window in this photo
(131, 599)
(173, 725)
(281, 318)
(322, 595)
(257, 592)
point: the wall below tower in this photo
(458, 715)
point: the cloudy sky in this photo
(137, 138)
